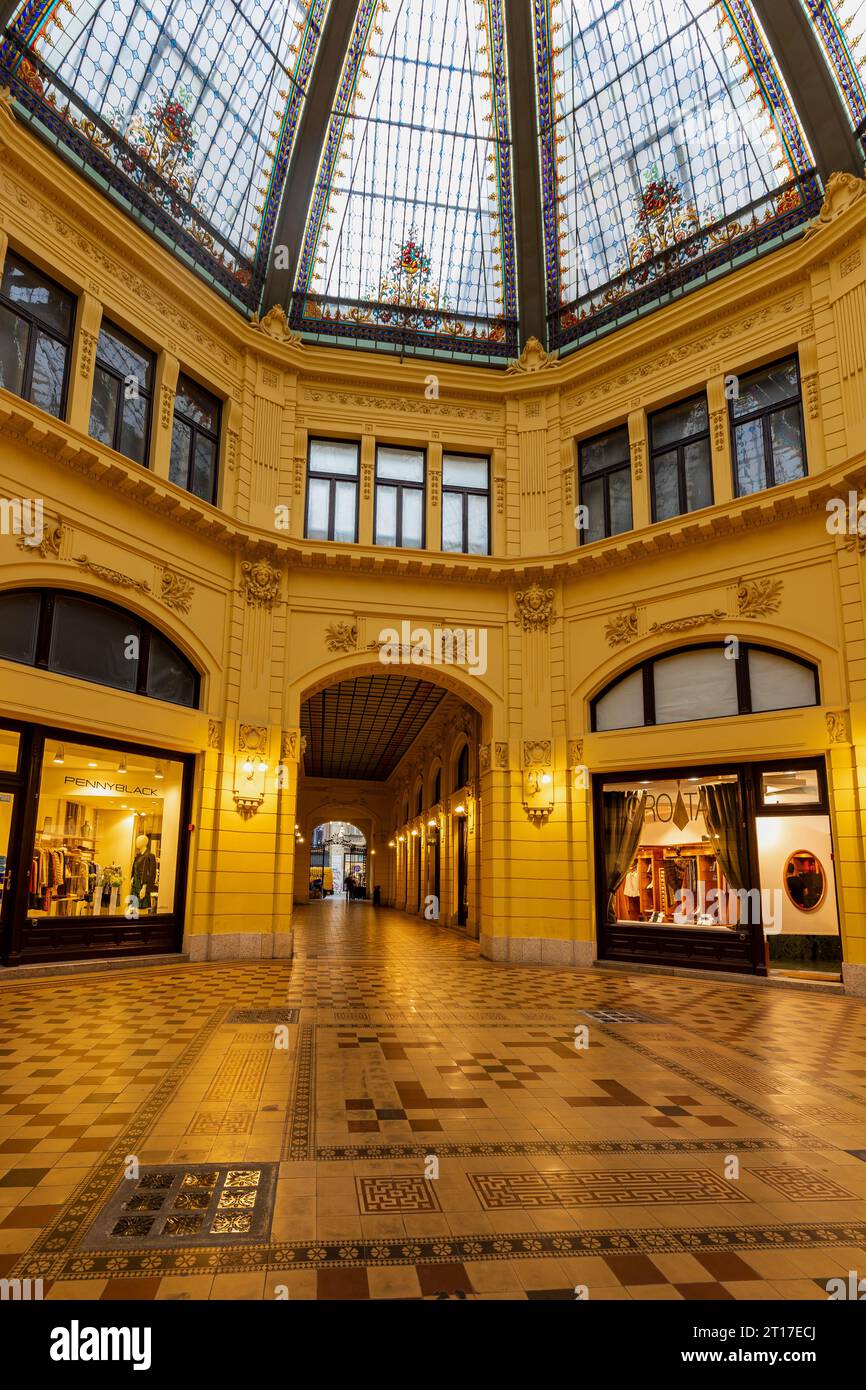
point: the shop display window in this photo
(107, 834)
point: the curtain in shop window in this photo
(623, 822)
(722, 814)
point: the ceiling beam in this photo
(313, 125)
(529, 237)
(810, 82)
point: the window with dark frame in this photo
(461, 776)
(604, 471)
(437, 787)
(332, 490)
(465, 504)
(400, 497)
(37, 320)
(682, 475)
(195, 440)
(88, 639)
(768, 437)
(120, 408)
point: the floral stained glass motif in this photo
(186, 109)
(669, 149)
(409, 237)
(841, 29)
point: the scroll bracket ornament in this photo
(535, 608)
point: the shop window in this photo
(400, 497)
(10, 744)
(682, 479)
(94, 641)
(195, 440)
(799, 786)
(36, 325)
(120, 408)
(107, 834)
(702, 683)
(767, 426)
(332, 491)
(605, 485)
(465, 504)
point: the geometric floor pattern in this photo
(389, 1116)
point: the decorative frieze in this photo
(688, 622)
(111, 576)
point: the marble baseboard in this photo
(536, 950)
(854, 978)
(241, 946)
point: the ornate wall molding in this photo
(176, 591)
(758, 598)
(532, 359)
(166, 406)
(837, 726)
(690, 621)
(88, 348)
(215, 733)
(260, 583)
(111, 576)
(252, 738)
(341, 637)
(638, 458)
(621, 628)
(500, 754)
(275, 325)
(290, 746)
(842, 192)
(535, 608)
(484, 757)
(575, 752)
(537, 752)
(52, 540)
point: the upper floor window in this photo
(122, 394)
(195, 440)
(36, 324)
(461, 776)
(767, 426)
(702, 683)
(466, 504)
(605, 485)
(332, 491)
(94, 641)
(682, 478)
(400, 497)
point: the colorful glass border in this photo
(240, 275)
(308, 310)
(830, 29)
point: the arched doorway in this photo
(338, 861)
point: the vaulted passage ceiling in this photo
(447, 176)
(361, 728)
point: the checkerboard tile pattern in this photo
(424, 1128)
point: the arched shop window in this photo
(84, 637)
(711, 681)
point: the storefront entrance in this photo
(95, 839)
(718, 867)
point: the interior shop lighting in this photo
(460, 810)
(248, 767)
(60, 756)
(432, 824)
(92, 763)
(121, 763)
(415, 833)
(263, 767)
(390, 844)
(158, 774)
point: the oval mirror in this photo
(805, 880)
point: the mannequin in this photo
(143, 871)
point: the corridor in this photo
(391, 1116)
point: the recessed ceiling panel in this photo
(362, 728)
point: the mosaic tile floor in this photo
(389, 1116)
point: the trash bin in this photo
(377, 895)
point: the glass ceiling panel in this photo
(841, 29)
(670, 149)
(410, 233)
(186, 109)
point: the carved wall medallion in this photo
(341, 637)
(575, 752)
(621, 628)
(111, 576)
(537, 751)
(260, 583)
(686, 624)
(252, 738)
(289, 746)
(757, 598)
(500, 752)
(837, 726)
(275, 325)
(533, 358)
(214, 733)
(535, 607)
(176, 591)
(842, 192)
(52, 538)
(484, 757)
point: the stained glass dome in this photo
(385, 170)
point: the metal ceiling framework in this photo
(361, 728)
(795, 46)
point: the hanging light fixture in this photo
(121, 764)
(158, 774)
(59, 756)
